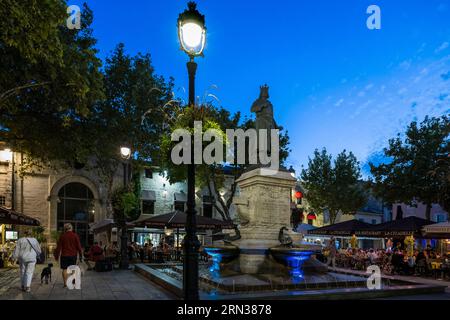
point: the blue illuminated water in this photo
(294, 259)
(216, 256)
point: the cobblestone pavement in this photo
(114, 285)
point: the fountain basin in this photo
(223, 253)
(291, 257)
(220, 254)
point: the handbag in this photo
(40, 257)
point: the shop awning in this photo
(399, 228)
(180, 196)
(105, 225)
(177, 219)
(346, 228)
(9, 216)
(148, 195)
(437, 230)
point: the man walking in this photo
(68, 247)
(26, 252)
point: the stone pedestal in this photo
(264, 208)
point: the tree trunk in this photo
(333, 216)
(428, 212)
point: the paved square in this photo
(114, 285)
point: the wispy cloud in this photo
(405, 64)
(442, 47)
(339, 103)
(373, 112)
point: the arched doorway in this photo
(76, 206)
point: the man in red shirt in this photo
(68, 247)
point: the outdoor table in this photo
(436, 265)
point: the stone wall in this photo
(5, 182)
(36, 191)
(165, 192)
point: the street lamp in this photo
(192, 36)
(6, 155)
(125, 153)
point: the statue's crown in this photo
(264, 91)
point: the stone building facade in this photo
(79, 197)
(55, 196)
(167, 197)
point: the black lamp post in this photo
(192, 36)
(125, 153)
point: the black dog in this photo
(47, 273)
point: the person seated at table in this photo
(397, 261)
(398, 246)
(422, 262)
(130, 251)
(149, 251)
(95, 254)
(141, 250)
(112, 252)
(373, 256)
(445, 259)
(166, 248)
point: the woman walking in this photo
(26, 252)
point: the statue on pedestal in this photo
(264, 114)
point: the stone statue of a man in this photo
(264, 114)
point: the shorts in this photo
(68, 261)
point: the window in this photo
(374, 221)
(148, 207)
(76, 206)
(2, 200)
(179, 206)
(148, 173)
(440, 218)
(207, 206)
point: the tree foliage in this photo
(49, 79)
(418, 165)
(131, 114)
(218, 178)
(333, 185)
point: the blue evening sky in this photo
(333, 82)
